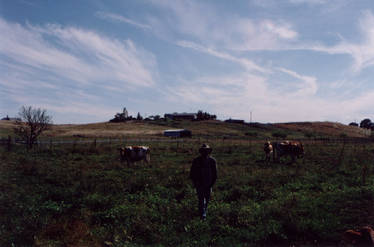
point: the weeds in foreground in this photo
(83, 195)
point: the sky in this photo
(282, 60)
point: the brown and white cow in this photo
(268, 149)
(288, 148)
(135, 153)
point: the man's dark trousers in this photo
(203, 194)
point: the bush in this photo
(310, 135)
(279, 134)
(252, 134)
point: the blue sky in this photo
(284, 60)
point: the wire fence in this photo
(224, 141)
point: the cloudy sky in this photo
(282, 60)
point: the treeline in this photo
(365, 124)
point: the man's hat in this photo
(205, 148)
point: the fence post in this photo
(364, 174)
(74, 145)
(9, 143)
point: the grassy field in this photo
(82, 195)
(218, 129)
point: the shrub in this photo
(279, 134)
(252, 134)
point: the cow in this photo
(268, 149)
(135, 153)
(363, 237)
(287, 148)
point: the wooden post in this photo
(364, 174)
(9, 143)
(74, 145)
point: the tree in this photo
(139, 117)
(204, 116)
(125, 113)
(33, 122)
(353, 124)
(121, 117)
(366, 123)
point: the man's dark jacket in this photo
(203, 172)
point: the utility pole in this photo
(250, 117)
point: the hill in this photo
(211, 128)
(325, 128)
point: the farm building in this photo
(234, 121)
(181, 116)
(11, 118)
(178, 133)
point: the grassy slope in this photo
(205, 128)
(324, 128)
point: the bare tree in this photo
(33, 123)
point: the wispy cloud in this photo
(40, 61)
(361, 52)
(237, 95)
(308, 84)
(120, 18)
(245, 63)
(205, 25)
(312, 2)
(75, 54)
(325, 6)
(261, 59)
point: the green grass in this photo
(84, 195)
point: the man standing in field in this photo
(203, 174)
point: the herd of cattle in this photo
(294, 149)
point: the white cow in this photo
(268, 149)
(135, 153)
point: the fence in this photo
(9, 141)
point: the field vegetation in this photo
(82, 195)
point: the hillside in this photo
(325, 128)
(212, 128)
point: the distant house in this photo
(178, 133)
(181, 116)
(240, 121)
(11, 118)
